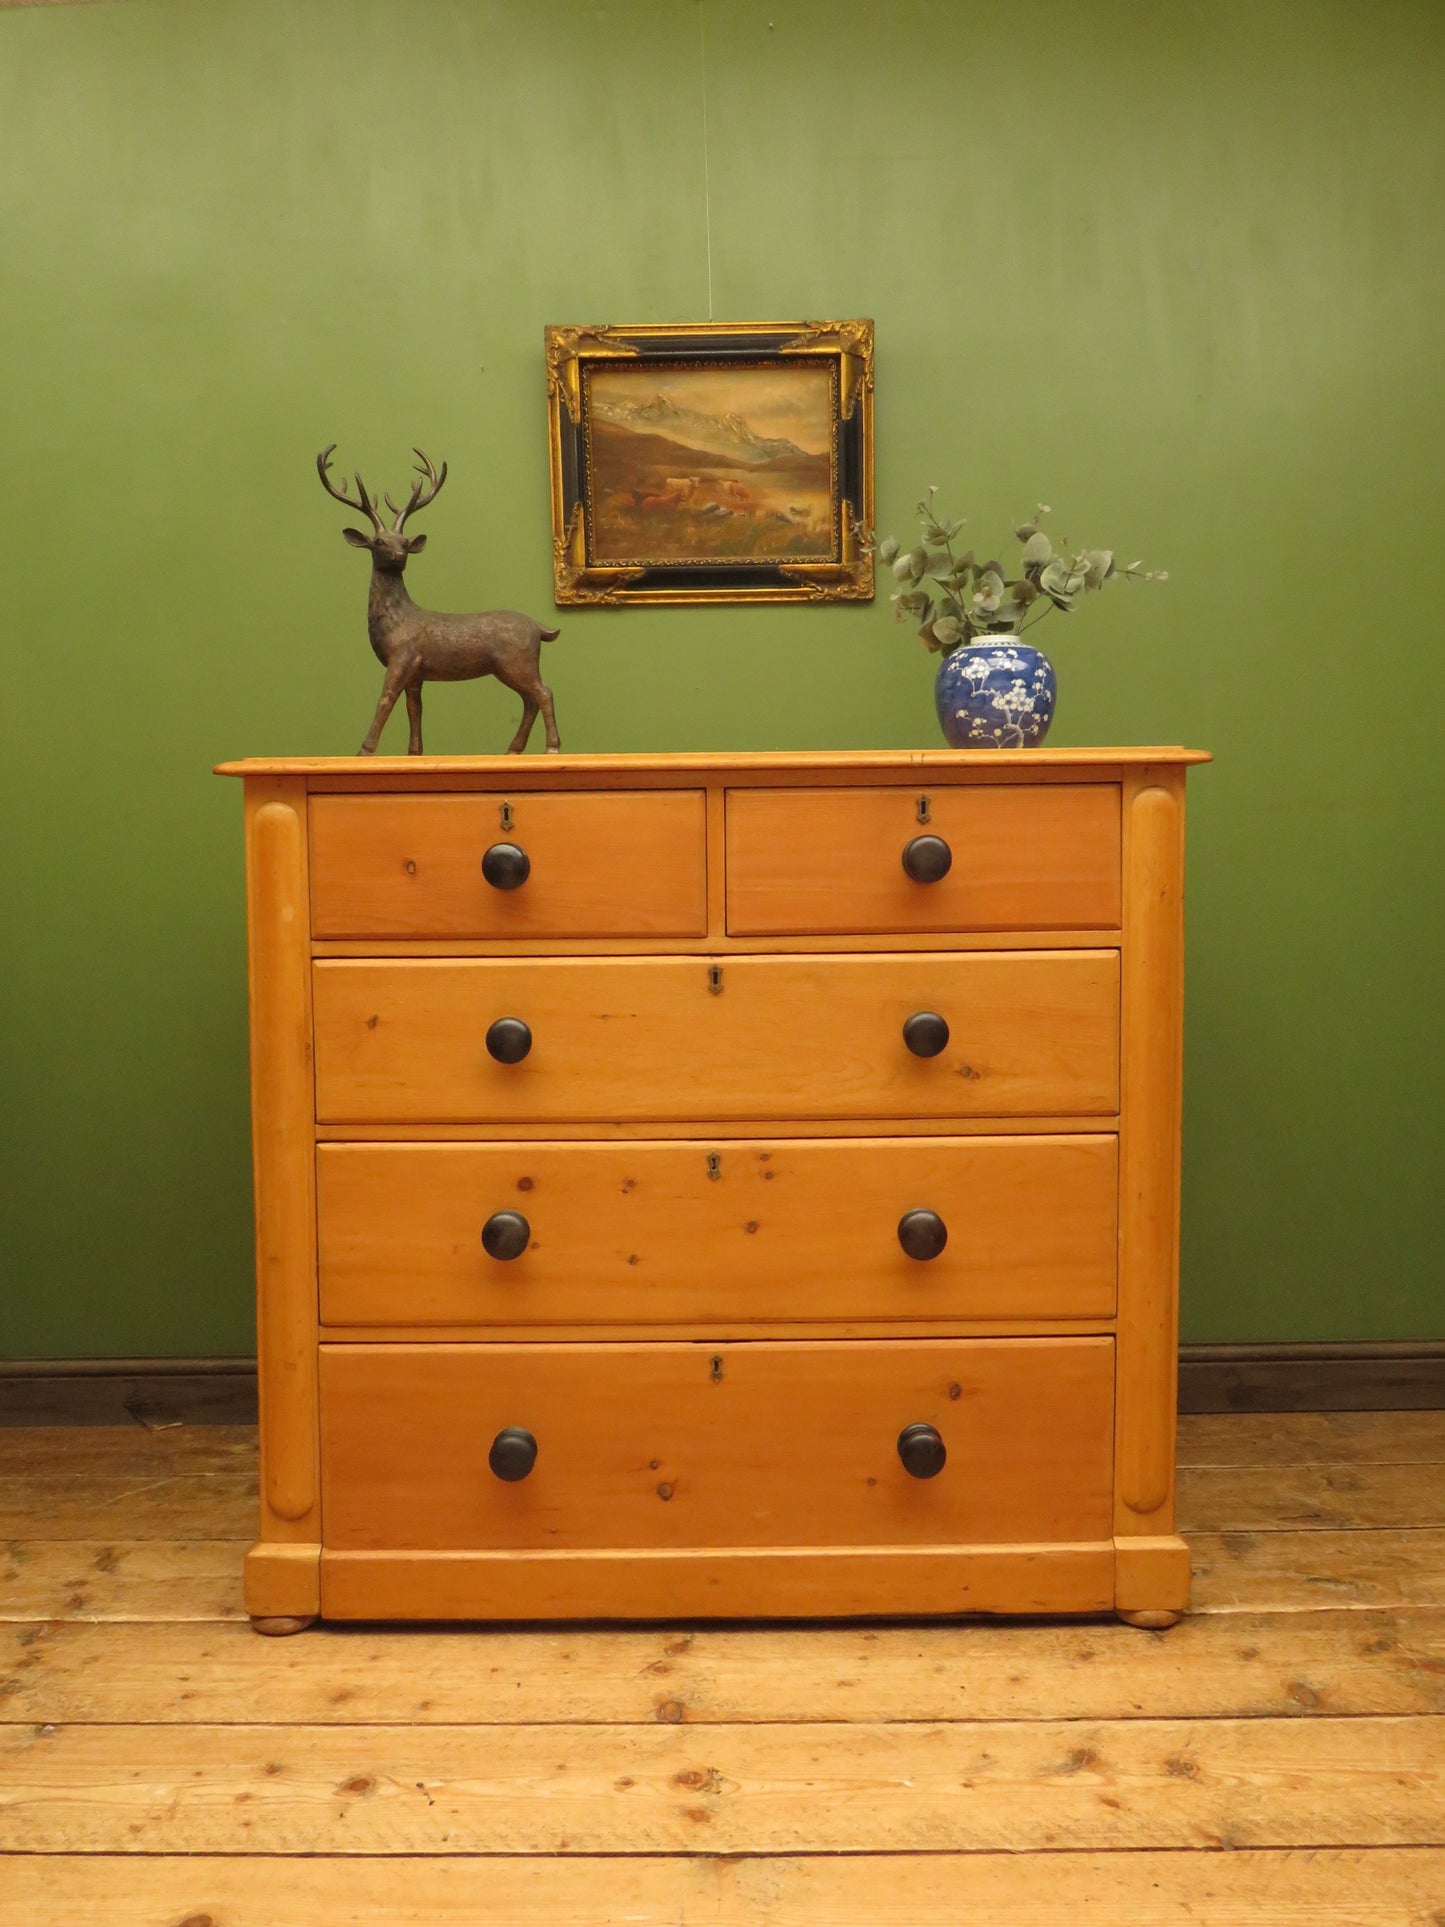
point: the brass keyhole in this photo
(508, 818)
(924, 808)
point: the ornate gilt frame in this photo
(849, 578)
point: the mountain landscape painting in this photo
(711, 463)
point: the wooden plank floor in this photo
(1278, 1757)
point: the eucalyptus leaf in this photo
(948, 631)
(903, 567)
(1061, 578)
(1037, 550)
(888, 548)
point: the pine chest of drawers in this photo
(707, 1185)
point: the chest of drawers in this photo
(706, 1186)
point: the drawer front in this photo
(831, 861)
(1030, 1033)
(601, 864)
(690, 1445)
(748, 1232)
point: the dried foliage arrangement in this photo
(959, 599)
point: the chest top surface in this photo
(582, 770)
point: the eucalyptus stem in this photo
(1032, 622)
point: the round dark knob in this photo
(922, 1234)
(509, 1040)
(513, 1454)
(506, 866)
(927, 858)
(506, 1234)
(925, 1033)
(922, 1451)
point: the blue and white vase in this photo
(998, 693)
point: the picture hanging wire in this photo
(706, 178)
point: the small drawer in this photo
(748, 1232)
(606, 863)
(1000, 1033)
(673, 1445)
(1042, 856)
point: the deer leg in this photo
(529, 716)
(522, 674)
(413, 717)
(549, 718)
(390, 690)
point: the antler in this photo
(365, 505)
(421, 495)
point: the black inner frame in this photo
(711, 575)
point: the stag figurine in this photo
(417, 645)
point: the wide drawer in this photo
(599, 864)
(729, 1445)
(1031, 1033)
(1021, 857)
(747, 1232)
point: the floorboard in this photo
(862, 1788)
(160, 1580)
(1379, 1887)
(1316, 1571)
(1249, 1666)
(1314, 1498)
(1307, 1438)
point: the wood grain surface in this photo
(1250, 1665)
(1381, 1887)
(618, 864)
(1011, 1786)
(667, 1445)
(830, 861)
(1032, 1033)
(745, 1233)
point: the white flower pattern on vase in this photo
(995, 695)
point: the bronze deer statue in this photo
(418, 645)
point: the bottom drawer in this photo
(674, 1446)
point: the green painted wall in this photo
(1176, 270)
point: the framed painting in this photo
(728, 462)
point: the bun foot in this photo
(280, 1625)
(1155, 1622)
